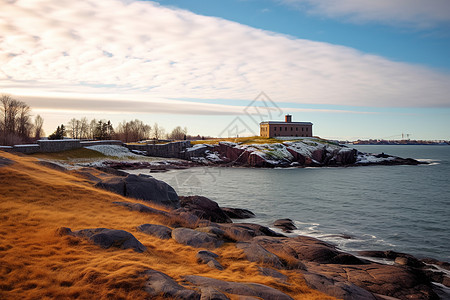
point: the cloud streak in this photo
(411, 13)
(123, 48)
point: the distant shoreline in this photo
(397, 143)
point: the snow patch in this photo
(113, 150)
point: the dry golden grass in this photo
(37, 264)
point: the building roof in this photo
(285, 123)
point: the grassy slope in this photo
(37, 264)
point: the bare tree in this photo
(92, 126)
(133, 131)
(178, 133)
(158, 132)
(84, 128)
(38, 124)
(15, 124)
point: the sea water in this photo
(400, 208)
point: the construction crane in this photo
(403, 136)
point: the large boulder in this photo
(161, 285)
(238, 213)
(241, 232)
(106, 238)
(256, 253)
(195, 238)
(208, 258)
(236, 288)
(337, 288)
(306, 249)
(204, 208)
(287, 225)
(388, 280)
(142, 187)
(142, 208)
(158, 231)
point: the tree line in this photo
(18, 127)
(126, 131)
(16, 123)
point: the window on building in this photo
(306, 128)
(303, 128)
(285, 128)
(296, 128)
(274, 129)
(281, 128)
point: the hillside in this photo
(37, 263)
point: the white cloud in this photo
(415, 13)
(115, 49)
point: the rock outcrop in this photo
(296, 152)
(204, 208)
(161, 285)
(195, 238)
(236, 288)
(143, 187)
(238, 213)
(106, 238)
(287, 225)
(159, 231)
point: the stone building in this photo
(286, 128)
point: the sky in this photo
(356, 69)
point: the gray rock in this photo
(159, 231)
(219, 233)
(214, 264)
(256, 253)
(181, 218)
(142, 187)
(204, 256)
(287, 225)
(388, 280)
(106, 238)
(208, 258)
(246, 231)
(115, 185)
(209, 293)
(141, 208)
(238, 213)
(195, 238)
(306, 249)
(235, 288)
(339, 289)
(51, 165)
(204, 208)
(273, 273)
(159, 284)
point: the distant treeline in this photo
(16, 123)
(126, 131)
(18, 127)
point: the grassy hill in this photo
(35, 263)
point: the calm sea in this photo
(400, 208)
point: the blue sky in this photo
(355, 68)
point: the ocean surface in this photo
(400, 208)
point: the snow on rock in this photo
(367, 158)
(113, 150)
(303, 151)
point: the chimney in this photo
(288, 119)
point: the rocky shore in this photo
(306, 152)
(199, 222)
(158, 219)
